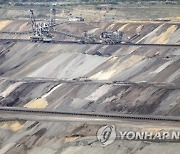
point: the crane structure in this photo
(52, 17)
(111, 37)
(106, 38)
(42, 31)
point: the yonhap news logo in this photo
(108, 134)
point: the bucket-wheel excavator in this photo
(44, 32)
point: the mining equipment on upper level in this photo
(111, 37)
(42, 30)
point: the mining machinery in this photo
(42, 31)
(111, 37)
(106, 38)
(115, 37)
(52, 17)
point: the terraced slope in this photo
(91, 97)
(150, 65)
(150, 32)
(89, 78)
(96, 62)
(20, 137)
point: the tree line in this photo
(79, 1)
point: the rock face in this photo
(87, 78)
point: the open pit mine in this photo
(61, 82)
